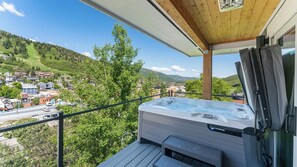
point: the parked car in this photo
(46, 109)
(48, 104)
(46, 116)
(54, 115)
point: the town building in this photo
(29, 88)
(42, 85)
(9, 78)
(5, 104)
(20, 74)
(50, 85)
(33, 79)
(45, 99)
(24, 96)
(44, 74)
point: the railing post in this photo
(60, 139)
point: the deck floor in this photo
(144, 155)
(135, 154)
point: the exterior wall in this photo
(44, 100)
(50, 85)
(29, 90)
(9, 79)
(42, 85)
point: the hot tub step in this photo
(165, 161)
(196, 151)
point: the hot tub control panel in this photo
(226, 130)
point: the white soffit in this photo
(232, 47)
(142, 15)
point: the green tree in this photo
(17, 85)
(5, 91)
(163, 89)
(12, 156)
(7, 44)
(219, 87)
(195, 87)
(15, 93)
(56, 86)
(35, 101)
(148, 84)
(112, 77)
(19, 105)
(38, 142)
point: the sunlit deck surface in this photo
(135, 154)
(144, 155)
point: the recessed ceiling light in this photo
(227, 5)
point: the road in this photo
(25, 113)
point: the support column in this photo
(207, 75)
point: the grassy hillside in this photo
(163, 77)
(23, 54)
(233, 79)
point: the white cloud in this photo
(177, 68)
(2, 9)
(33, 40)
(87, 54)
(10, 8)
(195, 71)
(160, 69)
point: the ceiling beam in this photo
(176, 10)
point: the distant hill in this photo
(233, 79)
(163, 77)
(21, 54)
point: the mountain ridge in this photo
(20, 54)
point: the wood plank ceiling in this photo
(205, 24)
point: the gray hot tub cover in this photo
(273, 77)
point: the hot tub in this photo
(211, 123)
(226, 114)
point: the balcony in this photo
(51, 150)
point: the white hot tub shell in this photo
(211, 123)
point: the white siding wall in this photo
(285, 13)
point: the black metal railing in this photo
(61, 117)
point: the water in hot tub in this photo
(228, 110)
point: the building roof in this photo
(28, 86)
(7, 74)
(191, 26)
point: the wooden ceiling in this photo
(205, 24)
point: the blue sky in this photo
(77, 26)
